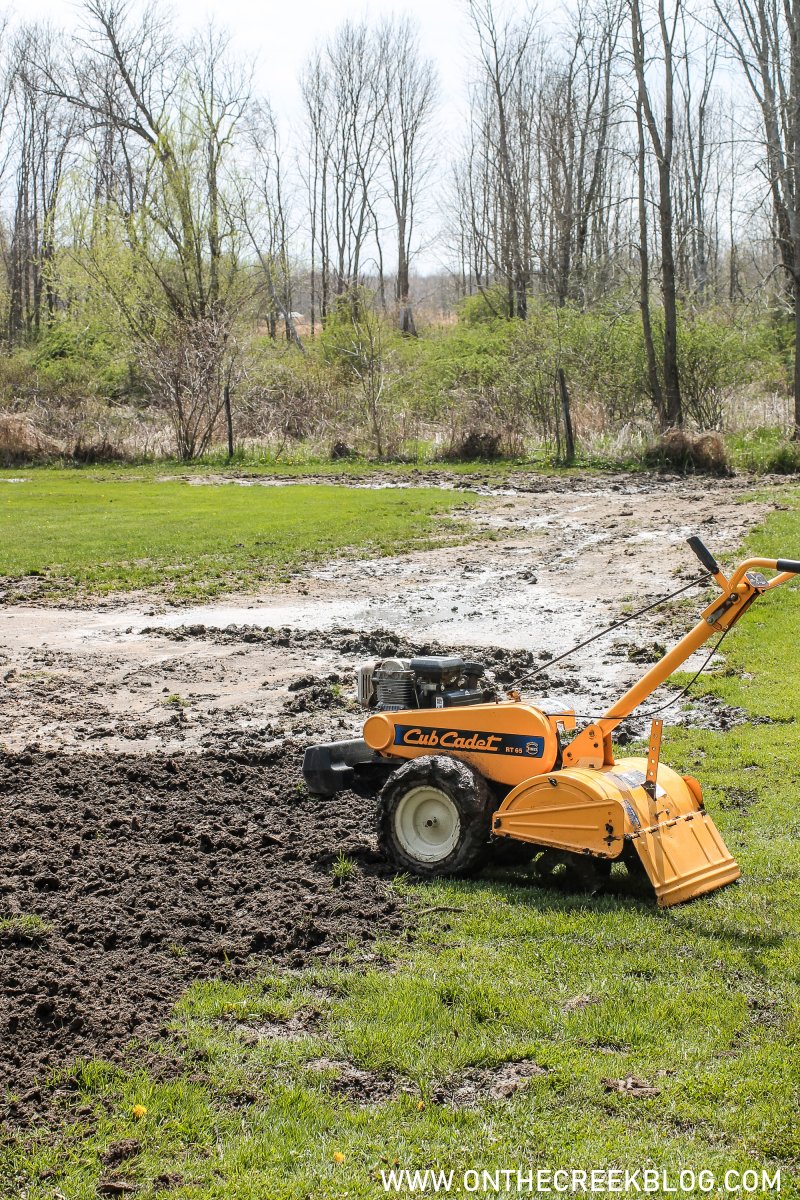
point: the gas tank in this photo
(507, 742)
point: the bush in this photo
(84, 357)
(785, 460)
(766, 452)
(713, 360)
(486, 307)
(702, 453)
(483, 386)
(477, 446)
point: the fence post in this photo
(226, 398)
(569, 437)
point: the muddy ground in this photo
(149, 872)
(569, 557)
(150, 786)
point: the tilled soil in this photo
(153, 872)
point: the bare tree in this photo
(314, 85)
(764, 37)
(536, 193)
(182, 105)
(661, 135)
(503, 47)
(365, 355)
(697, 183)
(44, 130)
(653, 376)
(190, 371)
(343, 105)
(576, 111)
(409, 94)
(219, 95)
(263, 212)
(169, 112)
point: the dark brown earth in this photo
(153, 872)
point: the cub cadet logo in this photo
(467, 739)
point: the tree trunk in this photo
(654, 382)
(405, 316)
(796, 289)
(672, 391)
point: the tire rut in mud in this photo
(153, 872)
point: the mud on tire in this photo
(434, 817)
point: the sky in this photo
(281, 34)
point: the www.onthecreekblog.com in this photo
(524, 1181)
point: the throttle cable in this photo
(609, 629)
(649, 712)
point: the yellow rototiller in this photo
(461, 766)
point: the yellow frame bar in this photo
(592, 746)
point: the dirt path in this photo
(121, 677)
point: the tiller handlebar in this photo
(592, 746)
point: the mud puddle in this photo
(567, 561)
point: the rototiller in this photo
(460, 766)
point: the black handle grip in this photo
(789, 564)
(705, 555)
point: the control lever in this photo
(704, 554)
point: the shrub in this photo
(766, 452)
(85, 357)
(703, 453)
(478, 445)
(785, 460)
(486, 307)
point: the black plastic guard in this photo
(329, 767)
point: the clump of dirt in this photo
(152, 872)
(470, 1087)
(506, 664)
(506, 668)
(119, 1152)
(651, 653)
(357, 1085)
(302, 1024)
(740, 799)
(311, 694)
(116, 1187)
(632, 1086)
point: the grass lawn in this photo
(701, 1001)
(122, 530)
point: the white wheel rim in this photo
(426, 824)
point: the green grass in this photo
(702, 1001)
(308, 463)
(764, 451)
(122, 530)
(24, 928)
